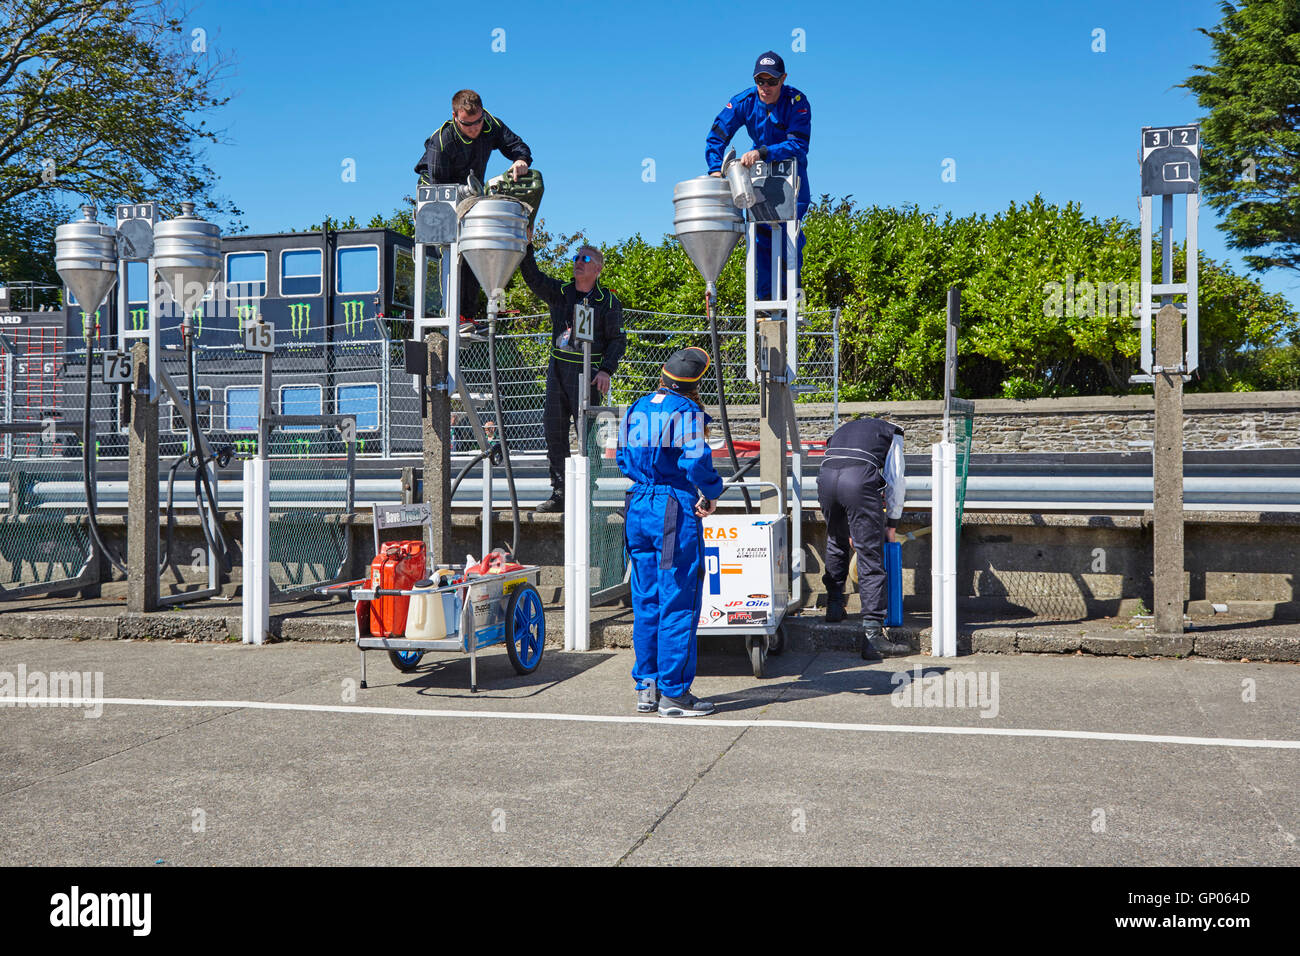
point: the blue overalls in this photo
(662, 450)
(780, 131)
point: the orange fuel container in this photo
(397, 568)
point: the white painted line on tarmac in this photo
(45, 702)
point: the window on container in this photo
(300, 272)
(246, 275)
(361, 401)
(301, 400)
(404, 279)
(241, 408)
(179, 421)
(137, 282)
(357, 270)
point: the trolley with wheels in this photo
(747, 578)
(490, 609)
(461, 612)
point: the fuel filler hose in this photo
(87, 449)
(501, 423)
(202, 487)
(710, 307)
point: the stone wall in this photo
(1214, 422)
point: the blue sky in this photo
(1012, 91)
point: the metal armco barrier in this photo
(45, 544)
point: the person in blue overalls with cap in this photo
(779, 121)
(662, 449)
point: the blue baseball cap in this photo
(771, 64)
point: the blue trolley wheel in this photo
(405, 660)
(525, 629)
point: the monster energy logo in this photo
(138, 317)
(246, 446)
(354, 316)
(245, 313)
(300, 319)
(198, 322)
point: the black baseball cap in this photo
(684, 369)
(771, 64)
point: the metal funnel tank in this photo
(187, 256)
(707, 222)
(493, 238)
(86, 258)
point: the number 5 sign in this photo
(584, 323)
(259, 337)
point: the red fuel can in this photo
(397, 567)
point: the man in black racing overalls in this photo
(565, 370)
(861, 488)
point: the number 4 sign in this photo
(259, 337)
(584, 323)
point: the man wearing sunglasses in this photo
(461, 146)
(779, 121)
(564, 373)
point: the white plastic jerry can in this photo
(431, 616)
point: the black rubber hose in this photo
(92, 506)
(171, 516)
(711, 309)
(465, 471)
(501, 425)
(216, 540)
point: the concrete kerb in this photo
(1246, 632)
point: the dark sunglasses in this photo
(766, 82)
(582, 258)
(471, 122)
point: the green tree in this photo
(27, 227)
(1251, 149)
(1048, 302)
(108, 99)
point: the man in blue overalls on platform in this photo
(662, 449)
(779, 121)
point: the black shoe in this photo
(874, 644)
(834, 610)
(552, 504)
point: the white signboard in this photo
(746, 571)
(584, 323)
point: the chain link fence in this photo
(312, 501)
(44, 539)
(357, 368)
